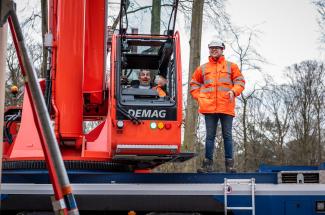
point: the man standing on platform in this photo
(215, 85)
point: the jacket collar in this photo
(218, 60)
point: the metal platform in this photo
(100, 191)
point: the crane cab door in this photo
(146, 112)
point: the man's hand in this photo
(231, 95)
(124, 80)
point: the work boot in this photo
(207, 166)
(229, 163)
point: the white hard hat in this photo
(216, 43)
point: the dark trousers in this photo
(211, 123)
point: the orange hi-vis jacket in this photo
(211, 82)
(160, 91)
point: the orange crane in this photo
(137, 129)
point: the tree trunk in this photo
(155, 17)
(44, 31)
(245, 141)
(319, 141)
(195, 54)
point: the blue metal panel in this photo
(41, 176)
(275, 205)
(298, 207)
(266, 205)
(3, 196)
(264, 168)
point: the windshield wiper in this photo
(134, 119)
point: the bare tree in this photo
(320, 5)
(319, 106)
(31, 19)
(195, 53)
(243, 42)
(306, 93)
(44, 8)
(259, 150)
(155, 16)
(277, 125)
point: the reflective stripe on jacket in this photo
(211, 82)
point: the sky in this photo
(289, 33)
